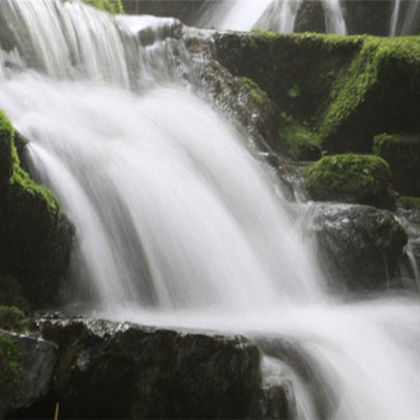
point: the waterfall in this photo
(178, 224)
(275, 15)
(405, 19)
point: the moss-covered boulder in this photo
(349, 88)
(111, 370)
(350, 178)
(299, 142)
(111, 6)
(402, 152)
(360, 246)
(35, 238)
(11, 318)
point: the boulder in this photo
(310, 17)
(348, 88)
(36, 238)
(26, 370)
(112, 370)
(402, 152)
(360, 246)
(350, 178)
(368, 17)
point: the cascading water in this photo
(275, 15)
(405, 19)
(178, 224)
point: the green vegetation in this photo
(36, 240)
(256, 93)
(410, 203)
(299, 142)
(11, 371)
(11, 318)
(111, 6)
(351, 178)
(348, 88)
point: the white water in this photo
(276, 15)
(405, 19)
(178, 224)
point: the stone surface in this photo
(111, 370)
(360, 246)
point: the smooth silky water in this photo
(178, 224)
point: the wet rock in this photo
(111, 370)
(402, 152)
(360, 246)
(310, 17)
(31, 362)
(368, 17)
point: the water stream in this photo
(178, 224)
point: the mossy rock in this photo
(11, 318)
(351, 178)
(402, 152)
(299, 142)
(349, 88)
(36, 238)
(112, 6)
(11, 371)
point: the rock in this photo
(111, 370)
(26, 370)
(368, 17)
(350, 178)
(350, 88)
(360, 246)
(299, 142)
(36, 238)
(11, 318)
(310, 17)
(402, 152)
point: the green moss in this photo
(111, 6)
(364, 98)
(402, 152)
(36, 240)
(11, 370)
(299, 142)
(410, 203)
(256, 93)
(11, 318)
(351, 178)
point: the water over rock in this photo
(360, 246)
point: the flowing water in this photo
(275, 15)
(178, 224)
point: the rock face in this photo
(347, 88)
(402, 152)
(350, 178)
(310, 17)
(33, 360)
(359, 245)
(36, 239)
(109, 370)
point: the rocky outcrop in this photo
(36, 238)
(402, 152)
(26, 370)
(348, 89)
(360, 246)
(350, 178)
(111, 370)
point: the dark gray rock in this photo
(38, 358)
(311, 17)
(111, 370)
(359, 245)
